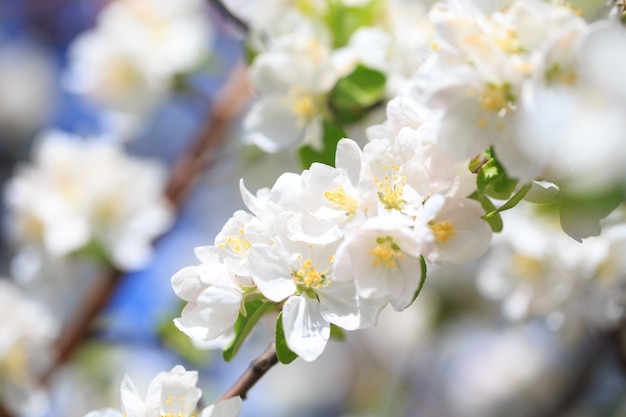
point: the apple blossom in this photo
(172, 393)
(128, 61)
(78, 194)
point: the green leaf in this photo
(254, 310)
(422, 279)
(493, 181)
(516, 198)
(332, 135)
(355, 94)
(284, 354)
(337, 332)
(344, 20)
(492, 217)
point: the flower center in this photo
(309, 276)
(339, 199)
(556, 74)
(237, 243)
(174, 408)
(391, 188)
(386, 252)
(494, 98)
(442, 230)
(302, 103)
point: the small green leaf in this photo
(284, 354)
(337, 332)
(516, 198)
(493, 181)
(492, 217)
(422, 279)
(343, 20)
(254, 310)
(332, 135)
(355, 94)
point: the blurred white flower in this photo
(28, 331)
(292, 79)
(88, 195)
(172, 393)
(536, 271)
(128, 61)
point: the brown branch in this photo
(4, 412)
(253, 374)
(243, 26)
(227, 105)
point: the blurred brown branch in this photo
(252, 374)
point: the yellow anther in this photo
(442, 230)
(236, 243)
(391, 190)
(341, 200)
(309, 276)
(494, 99)
(434, 46)
(304, 106)
(386, 252)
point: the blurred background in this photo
(471, 345)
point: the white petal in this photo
(272, 125)
(306, 331)
(186, 283)
(339, 304)
(271, 272)
(225, 408)
(132, 404)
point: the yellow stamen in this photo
(341, 200)
(391, 189)
(385, 253)
(309, 276)
(442, 230)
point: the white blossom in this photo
(128, 61)
(213, 296)
(28, 331)
(77, 193)
(172, 393)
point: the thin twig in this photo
(253, 374)
(227, 105)
(243, 26)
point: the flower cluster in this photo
(334, 245)
(535, 82)
(88, 195)
(306, 52)
(535, 270)
(170, 394)
(128, 62)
